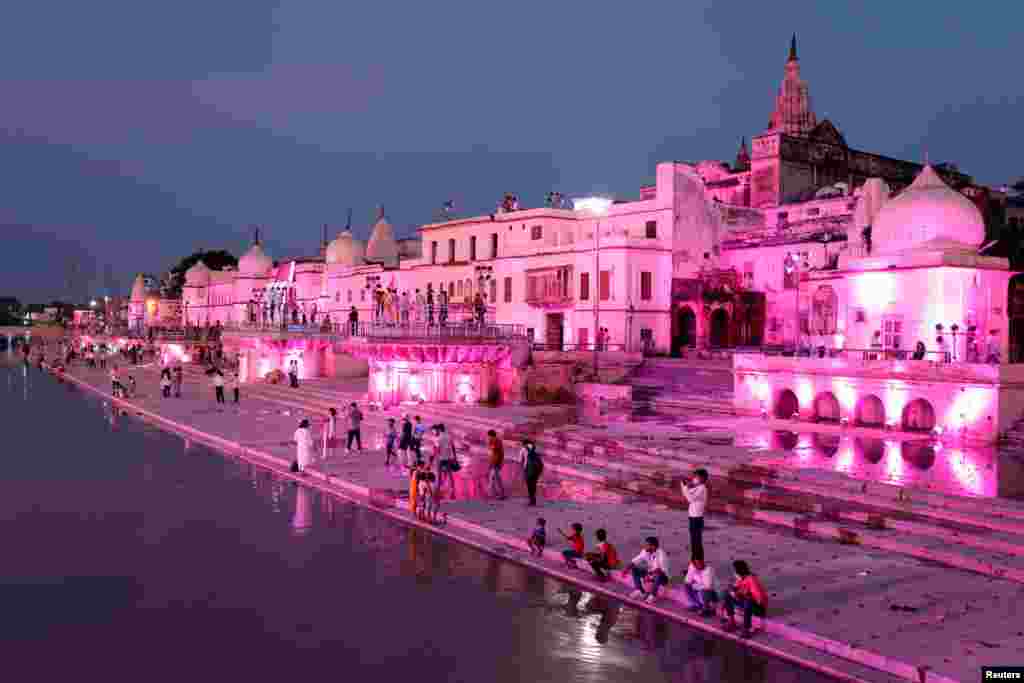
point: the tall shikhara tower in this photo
(793, 114)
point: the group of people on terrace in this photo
(430, 307)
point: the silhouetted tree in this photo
(215, 260)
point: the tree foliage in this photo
(217, 259)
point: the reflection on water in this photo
(926, 463)
(160, 551)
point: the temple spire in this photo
(380, 212)
(792, 49)
(256, 234)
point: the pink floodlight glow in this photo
(873, 291)
(966, 472)
(845, 394)
(844, 461)
(893, 461)
(969, 407)
(804, 391)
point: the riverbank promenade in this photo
(922, 590)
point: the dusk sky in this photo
(135, 132)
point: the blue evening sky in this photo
(135, 131)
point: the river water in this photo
(130, 554)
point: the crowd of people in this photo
(420, 307)
(649, 569)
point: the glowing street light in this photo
(595, 207)
(92, 304)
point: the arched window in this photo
(824, 307)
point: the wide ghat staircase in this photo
(664, 387)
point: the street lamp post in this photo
(791, 270)
(596, 207)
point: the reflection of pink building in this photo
(921, 281)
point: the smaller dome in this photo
(139, 288)
(198, 274)
(255, 261)
(382, 247)
(928, 215)
(345, 250)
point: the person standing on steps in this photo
(405, 442)
(178, 379)
(218, 385)
(533, 467)
(303, 447)
(353, 322)
(355, 424)
(419, 431)
(165, 383)
(293, 374)
(233, 385)
(696, 493)
(331, 435)
(444, 456)
(392, 439)
(496, 452)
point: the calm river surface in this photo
(130, 555)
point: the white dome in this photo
(198, 274)
(139, 289)
(928, 215)
(345, 250)
(382, 246)
(255, 261)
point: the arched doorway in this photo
(719, 337)
(918, 416)
(919, 454)
(826, 408)
(686, 330)
(870, 412)
(872, 450)
(786, 404)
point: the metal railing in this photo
(875, 354)
(544, 346)
(388, 330)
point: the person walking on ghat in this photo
(355, 422)
(430, 304)
(218, 385)
(293, 374)
(696, 493)
(165, 383)
(178, 378)
(303, 447)
(392, 441)
(496, 452)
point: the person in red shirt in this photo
(605, 559)
(748, 594)
(575, 550)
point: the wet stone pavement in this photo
(956, 621)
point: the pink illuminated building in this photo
(802, 244)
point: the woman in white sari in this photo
(304, 447)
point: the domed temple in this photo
(802, 247)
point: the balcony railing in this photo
(470, 330)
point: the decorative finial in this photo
(792, 49)
(325, 235)
(256, 235)
(348, 224)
